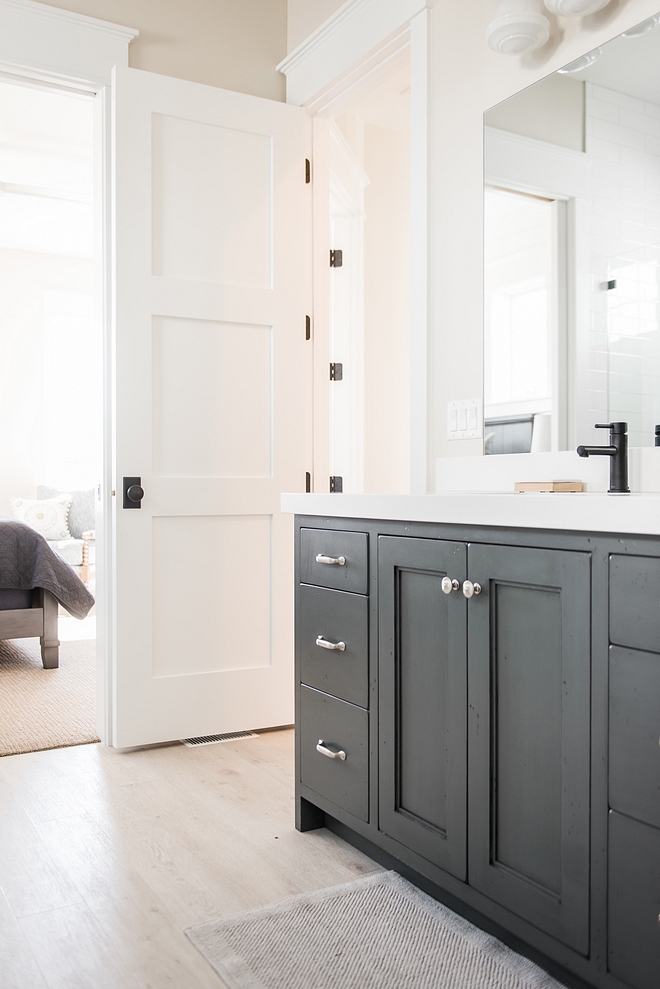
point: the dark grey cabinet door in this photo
(529, 680)
(422, 698)
(633, 915)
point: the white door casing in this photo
(210, 228)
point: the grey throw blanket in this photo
(27, 561)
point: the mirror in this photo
(572, 252)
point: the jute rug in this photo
(46, 709)
(379, 932)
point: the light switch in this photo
(464, 419)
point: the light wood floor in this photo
(105, 858)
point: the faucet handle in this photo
(614, 427)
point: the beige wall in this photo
(468, 79)
(304, 16)
(386, 311)
(552, 110)
(235, 44)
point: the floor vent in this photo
(230, 736)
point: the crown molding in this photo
(48, 44)
(321, 35)
(343, 41)
(46, 12)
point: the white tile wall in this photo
(623, 140)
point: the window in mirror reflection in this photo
(520, 316)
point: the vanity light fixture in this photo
(519, 27)
(575, 8)
(640, 29)
(580, 63)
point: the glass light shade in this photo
(575, 8)
(580, 63)
(640, 29)
(520, 27)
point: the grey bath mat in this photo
(379, 932)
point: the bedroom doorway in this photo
(51, 411)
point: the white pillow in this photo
(49, 517)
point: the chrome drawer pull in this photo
(332, 561)
(326, 644)
(448, 585)
(330, 753)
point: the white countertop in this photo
(637, 514)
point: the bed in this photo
(33, 581)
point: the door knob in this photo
(448, 585)
(469, 588)
(133, 492)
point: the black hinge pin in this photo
(336, 372)
(336, 484)
(336, 259)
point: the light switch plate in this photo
(464, 419)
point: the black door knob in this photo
(133, 492)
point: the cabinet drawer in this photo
(334, 544)
(634, 763)
(338, 618)
(635, 602)
(343, 727)
(633, 946)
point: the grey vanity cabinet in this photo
(423, 698)
(502, 748)
(529, 692)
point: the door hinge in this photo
(336, 259)
(308, 482)
(308, 327)
(308, 171)
(336, 372)
(336, 484)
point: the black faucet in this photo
(618, 453)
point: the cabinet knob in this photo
(469, 588)
(324, 749)
(327, 644)
(448, 585)
(331, 561)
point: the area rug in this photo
(379, 932)
(46, 709)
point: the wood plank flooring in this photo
(106, 856)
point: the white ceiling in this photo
(629, 65)
(46, 167)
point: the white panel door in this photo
(210, 246)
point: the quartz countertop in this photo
(637, 514)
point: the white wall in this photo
(467, 80)
(234, 44)
(25, 279)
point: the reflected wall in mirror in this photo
(572, 252)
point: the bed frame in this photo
(39, 619)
